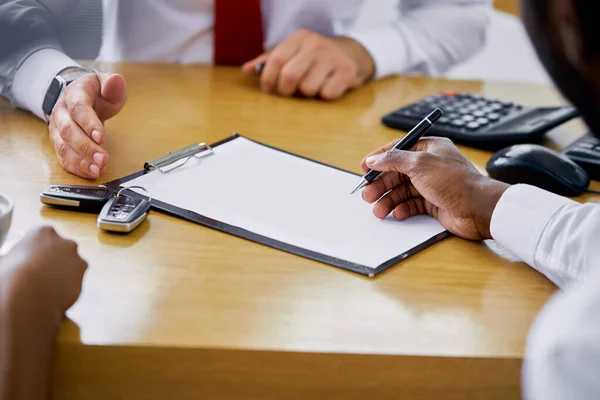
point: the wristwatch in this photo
(58, 84)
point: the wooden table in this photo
(179, 311)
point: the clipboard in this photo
(175, 160)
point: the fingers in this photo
(398, 195)
(427, 144)
(338, 84)
(410, 208)
(383, 149)
(381, 186)
(400, 161)
(294, 72)
(277, 59)
(251, 67)
(113, 95)
(82, 155)
(315, 79)
(72, 162)
(308, 63)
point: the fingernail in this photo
(95, 170)
(96, 136)
(372, 160)
(98, 158)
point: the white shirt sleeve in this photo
(555, 235)
(32, 57)
(562, 359)
(430, 37)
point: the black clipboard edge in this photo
(266, 241)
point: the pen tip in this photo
(360, 185)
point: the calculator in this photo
(586, 152)
(480, 121)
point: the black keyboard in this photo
(586, 152)
(481, 122)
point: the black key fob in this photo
(77, 198)
(123, 214)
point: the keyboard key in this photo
(444, 121)
(458, 123)
(496, 107)
(487, 110)
(479, 114)
(482, 121)
(473, 125)
(468, 118)
(453, 115)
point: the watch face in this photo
(51, 96)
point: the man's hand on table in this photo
(433, 178)
(313, 64)
(77, 122)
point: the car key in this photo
(78, 198)
(123, 214)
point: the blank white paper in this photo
(290, 199)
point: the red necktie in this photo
(238, 31)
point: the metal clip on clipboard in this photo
(177, 159)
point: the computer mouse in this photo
(538, 166)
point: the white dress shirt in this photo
(429, 38)
(558, 237)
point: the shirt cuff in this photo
(34, 76)
(389, 55)
(521, 216)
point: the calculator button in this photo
(507, 103)
(454, 116)
(586, 145)
(404, 113)
(444, 121)
(584, 153)
(482, 121)
(487, 110)
(479, 114)
(458, 123)
(450, 109)
(496, 107)
(473, 125)
(468, 118)
(493, 117)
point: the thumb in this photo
(113, 92)
(392, 160)
(251, 67)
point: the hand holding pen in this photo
(405, 143)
